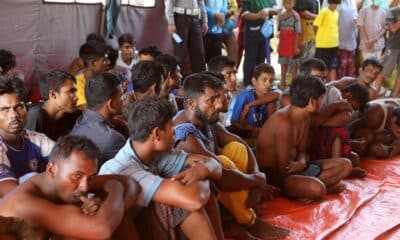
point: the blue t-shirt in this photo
(32, 157)
(149, 176)
(256, 116)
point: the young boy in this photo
(94, 60)
(126, 58)
(282, 144)
(327, 37)
(247, 116)
(289, 39)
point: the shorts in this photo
(313, 169)
(164, 221)
(287, 60)
(307, 49)
(328, 56)
(390, 58)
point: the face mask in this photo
(377, 2)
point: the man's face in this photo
(230, 77)
(319, 74)
(127, 50)
(225, 99)
(72, 176)
(66, 97)
(209, 105)
(367, 75)
(166, 138)
(117, 101)
(171, 82)
(263, 83)
(99, 65)
(12, 114)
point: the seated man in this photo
(173, 188)
(172, 77)
(126, 57)
(282, 144)
(22, 151)
(62, 206)
(379, 125)
(197, 131)
(57, 115)
(369, 71)
(103, 96)
(94, 60)
(147, 79)
(227, 67)
(253, 106)
(7, 65)
(149, 53)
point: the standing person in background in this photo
(391, 56)
(308, 10)
(347, 38)
(254, 14)
(326, 26)
(229, 37)
(371, 22)
(188, 19)
(216, 10)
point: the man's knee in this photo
(345, 165)
(316, 190)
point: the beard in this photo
(204, 118)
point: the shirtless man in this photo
(282, 143)
(368, 73)
(380, 127)
(60, 196)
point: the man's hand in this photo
(219, 18)
(370, 44)
(294, 167)
(263, 14)
(297, 51)
(261, 180)
(197, 172)
(90, 205)
(171, 29)
(204, 28)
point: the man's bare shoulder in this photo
(23, 193)
(279, 119)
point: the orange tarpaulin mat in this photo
(367, 209)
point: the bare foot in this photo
(237, 231)
(336, 188)
(358, 172)
(267, 231)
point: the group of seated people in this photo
(107, 158)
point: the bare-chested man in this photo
(380, 127)
(282, 143)
(57, 202)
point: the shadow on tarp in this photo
(367, 209)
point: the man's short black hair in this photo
(263, 68)
(371, 61)
(126, 38)
(7, 61)
(53, 80)
(95, 37)
(359, 93)
(112, 55)
(147, 114)
(100, 88)
(91, 51)
(146, 74)
(168, 62)
(396, 113)
(218, 63)
(195, 84)
(305, 87)
(66, 145)
(334, 1)
(312, 63)
(13, 85)
(151, 50)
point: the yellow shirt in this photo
(80, 89)
(327, 22)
